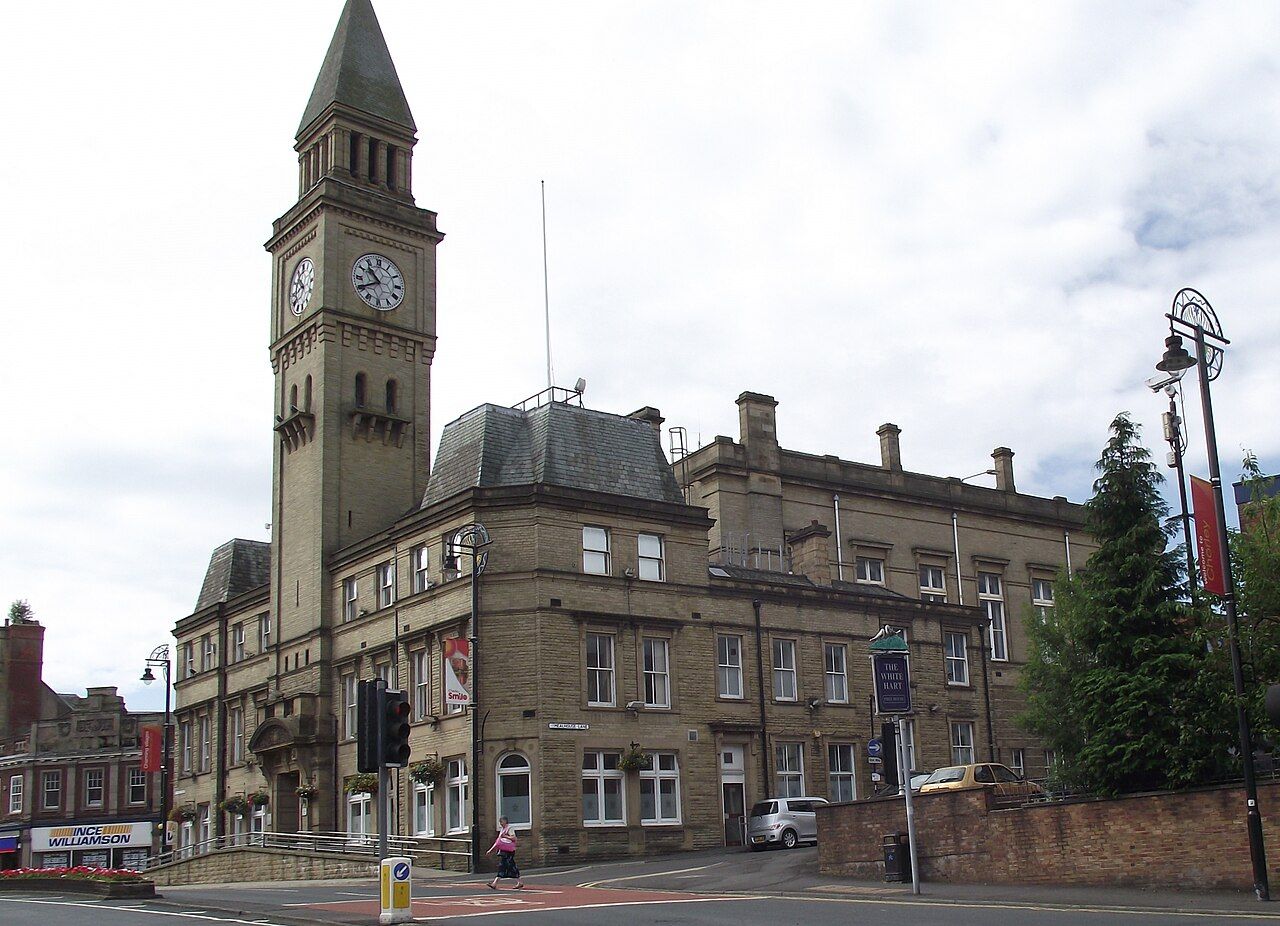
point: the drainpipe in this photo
(764, 726)
(955, 537)
(986, 696)
(221, 769)
(839, 546)
(1066, 539)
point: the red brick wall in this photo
(23, 655)
(1188, 839)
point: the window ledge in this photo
(611, 825)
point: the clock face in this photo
(378, 281)
(300, 286)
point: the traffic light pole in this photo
(384, 822)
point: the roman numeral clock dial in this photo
(378, 281)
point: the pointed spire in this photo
(358, 72)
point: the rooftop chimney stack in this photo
(810, 553)
(758, 430)
(890, 452)
(1003, 458)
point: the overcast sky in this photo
(965, 219)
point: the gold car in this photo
(1003, 780)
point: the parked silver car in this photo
(783, 821)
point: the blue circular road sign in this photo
(400, 871)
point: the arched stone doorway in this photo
(295, 757)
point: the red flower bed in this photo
(78, 873)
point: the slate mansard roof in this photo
(555, 444)
(236, 567)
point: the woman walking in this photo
(505, 846)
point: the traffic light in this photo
(394, 746)
(368, 725)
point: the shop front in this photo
(10, 849)
(98, 845)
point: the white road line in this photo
(652, 874)
(147, 911)
(585, 906)
(1049, 908)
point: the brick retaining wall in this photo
(1188, 839)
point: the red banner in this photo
(152, 740)
(1208, 544)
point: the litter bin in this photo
(897, 857)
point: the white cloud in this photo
(967, 220)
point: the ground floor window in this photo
(1018, 762)
(789, 759)
(458, 798)
(840, 768)
(514, 789)
(134, 859)
(206, 819)
(237, 829)
(660, 789)
(424, 810)
(603, 801)
(359, 817)
(259, 820)
(962, 743)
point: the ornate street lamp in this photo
(473, 538)
(1191, 314)
(159, 659)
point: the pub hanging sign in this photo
(892, 683)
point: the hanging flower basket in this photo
(236, 805)
(308, 792)
(183, 814)
(634, 760)
(362, 784)
(259, 798)
(430, 771)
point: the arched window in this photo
(513, 789)
(391, 397)
(306, 407)
(360, 391)
(293, 398)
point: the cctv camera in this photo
(1156, 383)
(634, 705)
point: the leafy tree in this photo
(20, 612)
(1255, 560)
(1114, 681)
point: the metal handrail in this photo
(345, 843)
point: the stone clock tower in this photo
(353, 321)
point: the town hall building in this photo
(657, 643)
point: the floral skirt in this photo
(507, 865)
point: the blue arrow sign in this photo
(875, 749)
(400, 871)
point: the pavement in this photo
(713, 888)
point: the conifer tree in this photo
(1114, 668)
